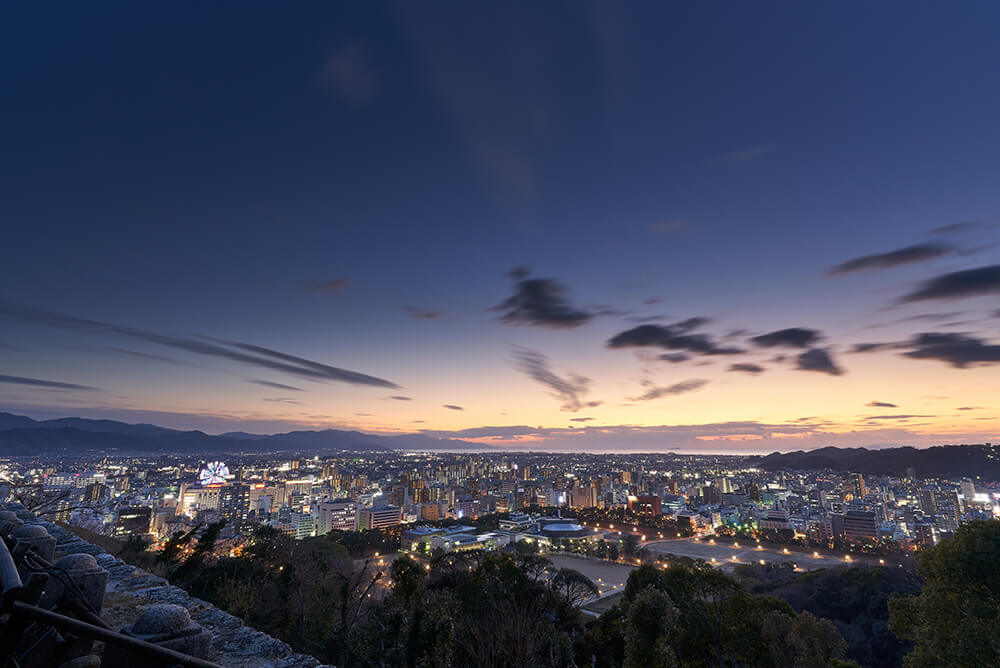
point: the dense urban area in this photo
(255, 530)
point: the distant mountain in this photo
(10, 421)
(20, 435)
(944, 461)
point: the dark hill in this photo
(944, 461)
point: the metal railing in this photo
(76, 618)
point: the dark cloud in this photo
(652, 300)
(50, 384)
(817, 359)
(453, 407)
(970, 408)
(399, 397)
(672, 337)
(870, 347)
(908, 255)
(959, 350)
(881, 404)
(421, 314)
(569, 389)
(674, 357)
(540, 301)
(957, 228)
(281, 400)
(245, 353)
(333, 285)
(581, 419)
(747, 368)
(655, 392)
(277, 386)
(793, 337)
(958, 285)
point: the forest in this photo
(496, 609)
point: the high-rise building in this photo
(195, 497)
(234, 503)
(339, 515)
(860, 491)
(860, 526)
(379, 518)
(645, 505)
(304, 525)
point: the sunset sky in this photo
(700, 227)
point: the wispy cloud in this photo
(452, 407)
(683, 387)
(908, 255)
(276, 386)
(881, 404)
(421, 314)
(49, 384)
(245, 353)
(568, 389)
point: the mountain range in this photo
(20, 435)
(944, 461)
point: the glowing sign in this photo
(214, 473)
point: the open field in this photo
(726, 555)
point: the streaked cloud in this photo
(48, 384)
(908, 255)
(979, 282)
(245, 353)
(655, 392)
(568, 389)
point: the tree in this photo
(955, 620)
(408, 578)
(573, 586)
(804, 641)
(652, 620)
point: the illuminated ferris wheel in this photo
(214, 473)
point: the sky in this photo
(694, 227)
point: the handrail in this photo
(91, 626)
(64, 623)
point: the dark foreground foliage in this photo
(497, 609)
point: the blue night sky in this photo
(264, 216)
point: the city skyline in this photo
(633, 229)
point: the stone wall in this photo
(131, 591)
